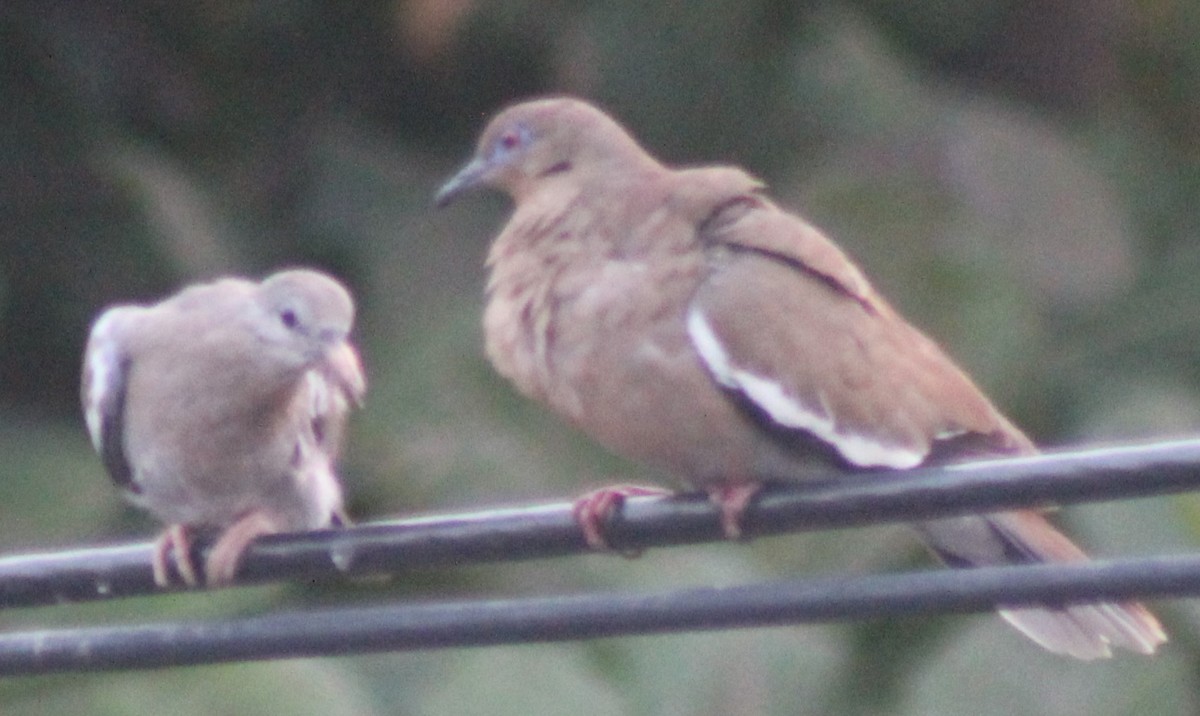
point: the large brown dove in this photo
(681, 318)
(222, 408)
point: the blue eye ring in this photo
(512, 140)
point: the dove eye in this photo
(515, 138)
(288, 317)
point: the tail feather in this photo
(1084, 631)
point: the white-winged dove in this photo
(222, 408)
(681, 318)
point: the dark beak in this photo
(467, 178)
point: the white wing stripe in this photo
(787, 411)
(710, 348)
(103, 364)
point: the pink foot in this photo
(733, 501)
(174, 545)
(224, 557)
(593, 509)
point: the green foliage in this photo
(1020, 178)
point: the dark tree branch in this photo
(550, 531)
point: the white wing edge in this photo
(104, 370)
(787, 411)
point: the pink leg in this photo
(733, 499)
(174, 545)
(593, 509)
(225, 555)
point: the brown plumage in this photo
(222, 408)
(681, 318)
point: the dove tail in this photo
(1084, 631)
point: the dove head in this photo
(308, 313)
(540, 141)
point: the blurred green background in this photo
(1022, 178)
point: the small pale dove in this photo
(222, 408)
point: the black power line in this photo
(550, 531)
(397, 627)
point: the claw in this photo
(594, 509)
(733, 499)
(174, 545)
(225, 556)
